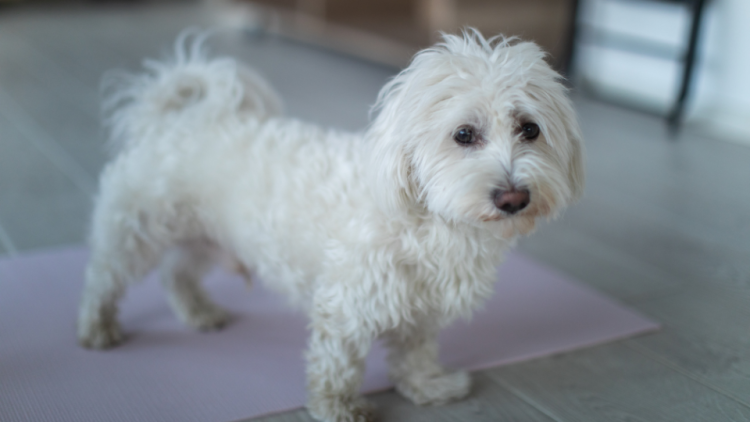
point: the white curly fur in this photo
(391, 233)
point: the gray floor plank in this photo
(299, 415)
(615, 383)
(66, 87)
(66, 38)
(717, 222)
(39, 205)
(712, 310)
(724, 368)
(632, 158)
(40, 139)
(31, 104)
(672, 248)
(488, 402)
(706, 336)
(601, 265)
(7, 247)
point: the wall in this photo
(724, 104)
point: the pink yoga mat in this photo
(166, 372)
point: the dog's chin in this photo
(510, 226)
(513, 226)
(496, 215)
(501, 216)
(493, 217)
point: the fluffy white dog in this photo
(391, 233)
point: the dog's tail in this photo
(184, 87)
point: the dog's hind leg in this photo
(97, 317)
(181, 273)
(123, 250)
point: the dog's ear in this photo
(562, 123)
(574, 149)
(389, 161)
(576, 179)
(404, 119)
(392, 181)
(390, 151)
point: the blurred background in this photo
(663, 95)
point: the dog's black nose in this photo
(511, 201)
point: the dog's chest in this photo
(451, 278)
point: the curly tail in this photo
(186, 86)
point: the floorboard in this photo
(488, 402)
(706, 335)
(41, 207)
(602, 265)
(615, 383)
(7, 247)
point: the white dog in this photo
(391, 233)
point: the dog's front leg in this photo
(335, 368)
(415, 369)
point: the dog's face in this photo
(478, 131)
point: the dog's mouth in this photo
(513, 225)
(487, 219)
(499, 216)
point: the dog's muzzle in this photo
(511, 201)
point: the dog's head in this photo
(478, 131)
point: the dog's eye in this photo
(464, 135)
(530, 131)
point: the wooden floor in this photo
(664, 226)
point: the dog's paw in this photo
(336, 409)
(435, 390)
(208, 318)
(99, 335)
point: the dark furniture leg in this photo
(675, 116)
(566, 64)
